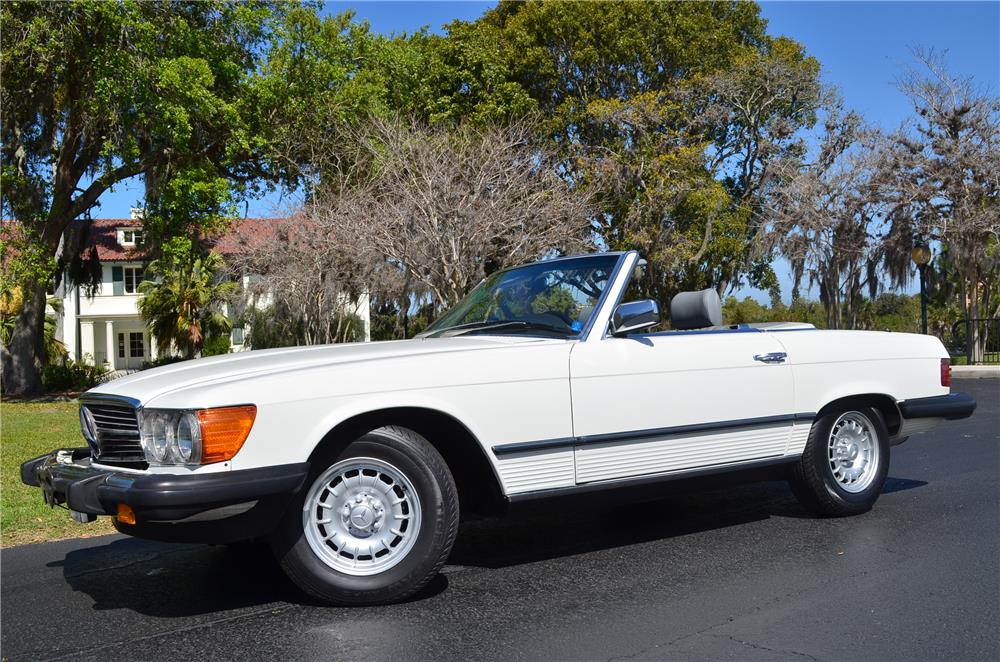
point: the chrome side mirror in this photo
(634, 316)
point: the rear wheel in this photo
(375, 522)
(845, 462)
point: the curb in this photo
(975, 371)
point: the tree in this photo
(753, 113)
(304, 285)
(825, 218)
(669, 114)
(446, 207)
(946, 184)
(95, 93)
(181, 303)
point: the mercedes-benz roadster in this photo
(355, 461)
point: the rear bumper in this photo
(950, 407)
(216, 507)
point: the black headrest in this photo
(696, 310)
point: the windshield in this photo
(557, 298)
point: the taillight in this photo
(946, 372)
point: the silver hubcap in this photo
(362, 516)
(853, 452)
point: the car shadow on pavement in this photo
(551, 533)
(171, 580)
(552, 530)
(177, 580)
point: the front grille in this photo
(118, 438)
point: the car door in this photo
(658, 403)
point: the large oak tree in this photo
(95, 93)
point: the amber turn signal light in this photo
(125, 514)
(223, 431)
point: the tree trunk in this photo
(23, 357)
(974, 343)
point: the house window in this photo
(136, 346)
(131, 237)
(121, 345)
(133, 276)
(237, 335)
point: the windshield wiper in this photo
(475, 327)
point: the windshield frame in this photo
(433, 332)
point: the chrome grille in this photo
(118, 438)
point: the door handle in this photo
(773, 357)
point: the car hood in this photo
(149, 384)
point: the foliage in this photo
(422, 162)
(886, 312)
(182, 301)
(425, 212)
(305, 283)
(271, 327)
(53, 349)
(164, 359)
(98, 92)
(447, 206)
(671, 114)
(824, 214)
(944, 184)
(216, 344)
(69, 375)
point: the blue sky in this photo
(863, 48)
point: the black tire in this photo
(813, 481)
(434, 485)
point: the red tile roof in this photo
(243, 235)
(102, 236)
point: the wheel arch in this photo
(479, 486)
(886, 405)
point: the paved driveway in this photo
(742, 573)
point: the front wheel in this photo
(845, 462)
(375, 522)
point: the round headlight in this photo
(156, 433)
(188, 438)
(88, 427)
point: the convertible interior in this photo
(702, 311)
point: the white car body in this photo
(357, 461)
(551, 413)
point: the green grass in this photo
(27, 430)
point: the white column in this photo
(110, 342)
(152, 347)
(69, 329)
(87, 342)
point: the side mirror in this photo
(635, 315)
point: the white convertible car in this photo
(357, 460)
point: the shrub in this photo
(70, 375)
(166, 359)
(216, 344)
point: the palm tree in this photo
(182, 300)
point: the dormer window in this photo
(129, 237)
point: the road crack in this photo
(165, 633)
(765, 648)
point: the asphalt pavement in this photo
(739, 573)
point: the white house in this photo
(106, 328)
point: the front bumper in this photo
(212, 507)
